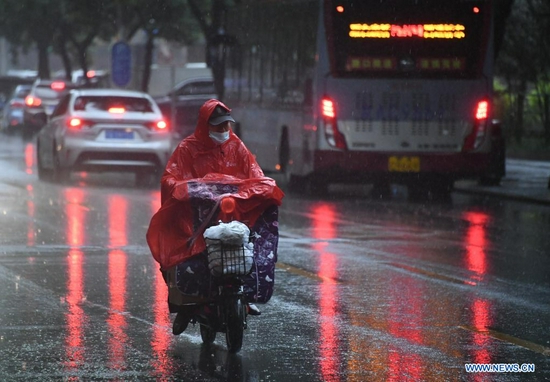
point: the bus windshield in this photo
(406, 38)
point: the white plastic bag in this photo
(234, 233)
(238, 253)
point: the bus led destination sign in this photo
(435, 31)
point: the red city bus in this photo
(368, 91)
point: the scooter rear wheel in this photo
(235, 320)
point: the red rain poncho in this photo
(197, 159)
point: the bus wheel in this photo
(489, 181)
(381, 190)
(497, 163)
(433, 188)
(316, 186)
(441, 188)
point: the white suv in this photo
(104, 130)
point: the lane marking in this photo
(304, 273)
(509, 339)
(429, 274)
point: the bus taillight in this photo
(333, 135)
(328, 108)
(477, 136)
(482, 110)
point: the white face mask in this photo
(219, 137)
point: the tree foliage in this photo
(70, 27)
(28, 22)
(211, 16)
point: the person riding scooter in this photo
(212, 151)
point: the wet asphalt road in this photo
(365, 289)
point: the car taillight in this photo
(479, 131)
(58, 85)
(333, 136)
(158, 126)
(117, 110)
(32, 101)
(482, 110)
(75, 123)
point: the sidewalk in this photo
(525, 180)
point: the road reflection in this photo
(405, 321)
(118, 210)
(117, 273)
(324, 228)
(161, 337)
(29, 164)
(75, 317)
(29, 158)
(476, 242)
(476, 262)
(30, 212)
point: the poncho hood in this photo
(201, 129)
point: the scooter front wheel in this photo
(235, 324)
(208, 334)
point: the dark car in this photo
(12, 115)
(9, 82)
(41, 101)
(187, 96)
(184, 120)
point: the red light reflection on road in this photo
(476, 242)
(324, 228)
(29, 158)
(75, 216)
(118, 206)
(405, 321)
(481, 320)
(75, 316)
(117, 268)
(476, 261)
(117, 301)
(30, 212)
(161, 337)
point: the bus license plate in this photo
(119, 134)
(404, 164)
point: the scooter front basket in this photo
(228, 259)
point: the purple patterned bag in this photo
(193, 276)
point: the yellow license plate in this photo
(404, 164)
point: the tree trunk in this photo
(62, 47)
(83, 62)
(147, 62)
(43, 60)
(67, 65)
